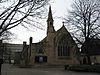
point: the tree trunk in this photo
(89, 60)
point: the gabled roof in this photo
(62, 29)
(64, 32)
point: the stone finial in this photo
(63, 23)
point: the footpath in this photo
(9, 69)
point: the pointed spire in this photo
(50, 14)
(50, 27)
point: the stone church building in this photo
(57, 48)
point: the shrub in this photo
(85, 68)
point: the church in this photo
(57, 48)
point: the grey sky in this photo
(59, 9)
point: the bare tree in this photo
(15, 12)
(84, 20)
(7, 36)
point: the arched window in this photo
(63, 48)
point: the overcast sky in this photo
(59, 9)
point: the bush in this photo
(85, 68)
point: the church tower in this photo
(50, 27)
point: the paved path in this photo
(12, 70)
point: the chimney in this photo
(30, 45)
(24, 43)
(30, 41)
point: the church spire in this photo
(50, 27)
(50, 14)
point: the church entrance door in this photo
(40, 59)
